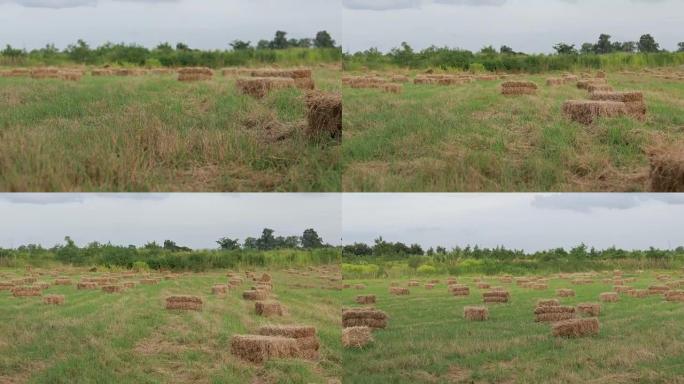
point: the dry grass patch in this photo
(667, 168)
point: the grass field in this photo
(129, 337)
(427, 339)
(471, 138)
(153, 133)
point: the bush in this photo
(140, 266)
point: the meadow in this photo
(154, 133)
(98, 337)
(471, 138)
(427, 339)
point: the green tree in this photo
(228, 243)
(587, 48)
(240, 45)
(310, 239)
(263, 44)
(280, 40)
(506, 50)
(323, 40)
(79, 52)
(680, 47)
(647, 44)
(565, 49)
(488, 50)
(12, 52)
(604, 45)
(267, 240)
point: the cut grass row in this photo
(471, 138)
(153, 133)
(428, 340)
(130, 337)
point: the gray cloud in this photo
(59, 4)
(381, 5)
(590, 201)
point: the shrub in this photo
(140, 266)
(426, 269)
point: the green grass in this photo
(153, 133)
(428, 341)
(471, 138)
(129, 337)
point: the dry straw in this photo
(475, 313)
(268, 308)
(609, 297)
(553, 313)
(255, 294)
(590, 309)
(324, 115)
(368, 317)
(258, 348)
(564, 292)
(667, 168)
(307, 341)
(184, 302)
(53, 299)
(259, 87)
(576, 327)
(587, 111)
(365, 299)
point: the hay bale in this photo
(553, 81)
(515, 88)
(576, 327)
(609, 297)
(45, 73)
(149, 281)
(219, 289)
(638, 293)
(496, 296)
(667, 168)
(368, 317)
(292, 73)
(305, 83)
(674, 295)
(591, 309)
(258, 348)
(365, 299)
(553, 313)
(101, 72)
(268, 308)
(259, 87)
(86, 285)
(356, 337)
(657, 289)
(392, 88)
(26, 291)
(475, 313)
(413, 283)
(53, 299)
(255, 295)
(622, 288)
(62, 281)
(459, 290)
(324, 115)
(235, 281)
(564, 292)
(399, 291)
(584, 84)
(548, 303)
(399, 79)
(429, 286)
(129, 284)
(305, 336)
(184, 302)
(587, 111)
(483, 286)
(113, 288)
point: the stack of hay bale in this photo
(591, 309)
(475, 313)
(306, 338)
(634, 101)
(516, 88)
(259, 87)
(576, 327)
(459, 290)
(26, 291)
(587, 111)
(302, 77)
(45, 73)
(551, 313)
(399, 291)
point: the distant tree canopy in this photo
(601, 54)
(180, 54)
(268, 241)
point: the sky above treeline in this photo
(531, 26)
(519, 221)
(202, 24)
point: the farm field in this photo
(154, 133)
(129, 336)
(468, 137)
(427, 339)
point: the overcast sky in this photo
(206, 24)
(532, 26)
(520, 221)
(194, 220)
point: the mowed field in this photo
(427, 339)
(469, 137)
(129, 337)
(154, 133)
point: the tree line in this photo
(321, 48)
(604, 53)
(384, 250)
